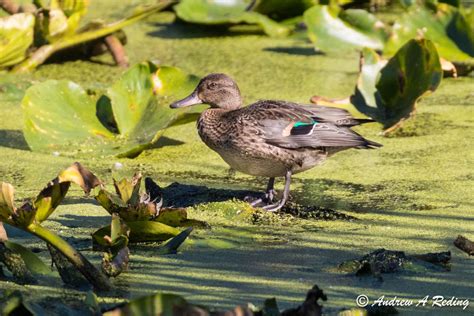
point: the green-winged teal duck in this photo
(270, 138)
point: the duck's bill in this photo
(188, 101)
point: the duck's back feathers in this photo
(292, 126)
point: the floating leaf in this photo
(332, 29)
(448, 28)
(388, 91)
(16, 36)
(60, 116)
(140, 231)
(214, 13)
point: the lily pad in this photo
(210, 12)
(60, 117)
(16, 36)
(448, 28)
(388, 91)
(332, 29)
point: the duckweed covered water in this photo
(413, 195)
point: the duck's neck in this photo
(212, 126)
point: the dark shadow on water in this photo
(184, 195)
(290, 50)
(166, 141)
(182, 30)
(13, 139)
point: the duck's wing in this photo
(324, 114)
(292, 126)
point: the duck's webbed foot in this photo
(267, 200)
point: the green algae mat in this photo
(412, 195)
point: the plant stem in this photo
(45, 51)
(117, 50)
(90, 272)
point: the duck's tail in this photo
(370, 145)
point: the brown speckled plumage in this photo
(270, 138)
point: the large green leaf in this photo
(332, 29)
(214, 13)
(60, 116)
(448, 28)
(16, 36)
(388, 91)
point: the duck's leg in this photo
(269, 194)
(286, 192)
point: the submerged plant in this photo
(131, 116)
(33, 212)
(50, 27)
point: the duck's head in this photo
(217, 90)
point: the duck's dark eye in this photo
(212, 85)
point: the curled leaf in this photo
(388, 92)
(52, 195)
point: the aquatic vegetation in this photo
(131, 116)
(388, 91)
(33, 212)
(333, 29)
(142, 214)
(51, 27)
(446, 26)
(214, 13)
(388, 261)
